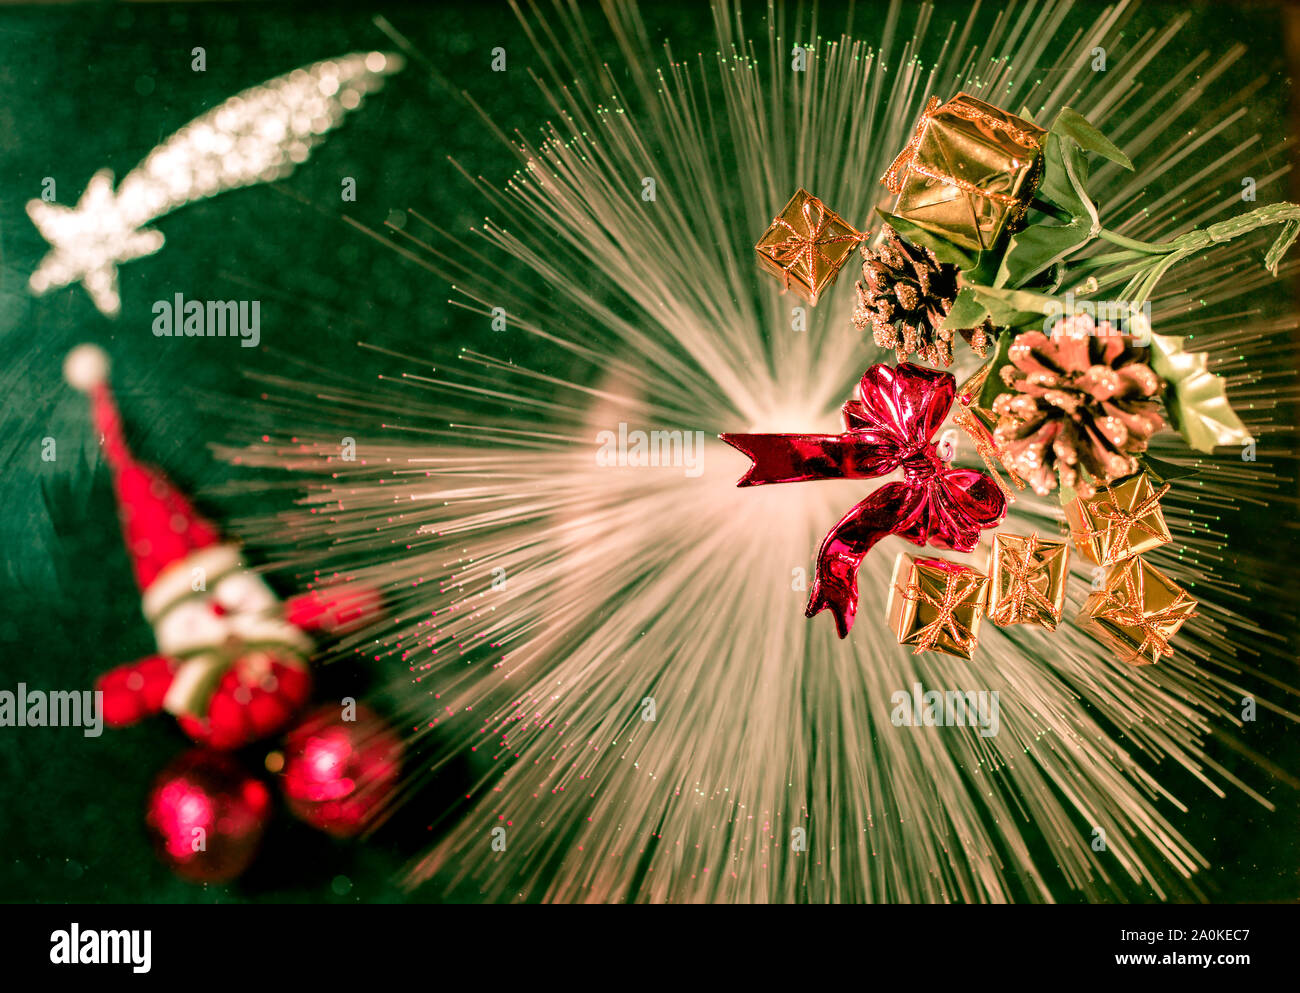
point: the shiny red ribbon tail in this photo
(799, 458)
(891, 421)
(835, 587)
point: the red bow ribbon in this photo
(890, 424)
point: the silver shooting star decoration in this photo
(258, 135)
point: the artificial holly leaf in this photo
(1045, 243)
(1064, 187)
(1010, 308)
(986, 266)
(1195, 398)
(1065, 184)
(966, 310)
(993, 385)
(1038, 248)
(1165, 472)
(1075, 126)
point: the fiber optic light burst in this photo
(546, 604)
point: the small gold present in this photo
(807, 245)
(968, 173)
(1119, 521)
(1027, 580)
(936, 605)
(1137, 610)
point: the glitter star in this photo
(256, 136)
(88, 242)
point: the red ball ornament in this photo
(206, 815)
(338, 773)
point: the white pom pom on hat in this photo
(86, 367)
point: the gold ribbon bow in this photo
(1120, 522)
(801, 247)
(1010, 609)
(956, 588)
(906, 160)
(1127, 611)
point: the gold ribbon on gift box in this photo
(820, 226)
(1027, 580)
(1103, 526)
(934, 621)
(1138, 610)
(969, 420)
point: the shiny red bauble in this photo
(337, 773)
(257, 695)
(206, 815)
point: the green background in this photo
(93, 86)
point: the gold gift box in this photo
(968, 172)
(807, 245)
(1027, 580)
(936, 605)
(1137, 610)
(1118, 521)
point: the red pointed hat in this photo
(159, 523)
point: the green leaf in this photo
(1045, 243)
(1011, 309)
(1039, 247)
(1165, 472)
(1195, 398)
(966, 310)
(944, 250)
(1015, 308)
(1065, 184)
(1075, 126)
(986, 266)
(993, 385)
(1064, 187)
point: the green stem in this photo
(1111, 258)
(1147, 271)
(1134, 271)
(1133, 284)
(1157, 271)
(1145, 247)
(1286, 214)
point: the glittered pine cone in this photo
(1083, 404)
(904, 295)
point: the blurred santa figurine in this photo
(233, 659)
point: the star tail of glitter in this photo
(614, 657)
(259, 135)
